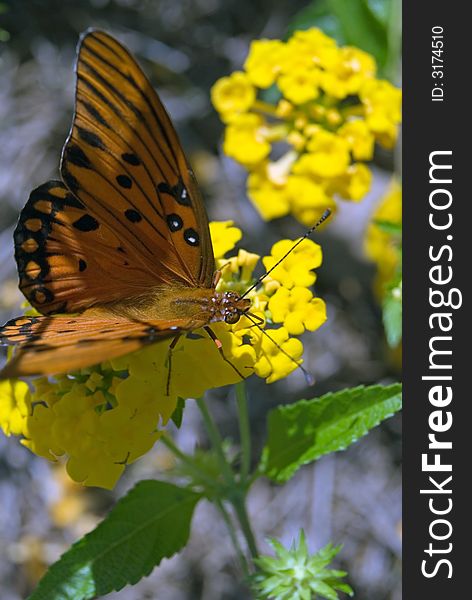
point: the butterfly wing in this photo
(130, 216)
(124, 161)
(48, 345)
(68, 260)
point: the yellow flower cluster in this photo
(381, 246)
(105, 417)
(312, 145)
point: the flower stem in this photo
(234, 538)
(216, 442)
(244, 430)
(265, 107)
(239, 504)
(236, 494)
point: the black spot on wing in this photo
(165, 188)
(42, 295)
(70, 181)
(133, 215)
(191, 237)
(182, 195)
(178, 192)
(131, 159)
(76, 156)
(174, 222)
(82, 265)
(86, 223)
(90, 138)
(124, 181)
(95, 114)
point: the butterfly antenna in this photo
(310, 380)
(322, 219)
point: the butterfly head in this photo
(229, 307)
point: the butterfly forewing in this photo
(123, 160)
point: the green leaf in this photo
(392, 316)
(380, 9)
(318, 14)
(178, 413)
(302, 432)
(389, 227)
(361, 27)
(150, 523)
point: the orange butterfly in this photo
(124, 241)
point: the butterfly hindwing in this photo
(123, 160)
(48, 345)
(68, 260)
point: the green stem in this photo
(244, 430)
(265, 107)
(235, 495)
(233, 535)
(216, 442)
(219, 504)
(239, 504)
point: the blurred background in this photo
(354, 497)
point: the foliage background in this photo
(351, 498)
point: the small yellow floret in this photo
(233, 94)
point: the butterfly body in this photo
(201, 305)
(118, 254)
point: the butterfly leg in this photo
(216, 277)
(219, 345)
(172, 345)
(218, 274)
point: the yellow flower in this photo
(327, 156)
(101, 422)
(269, 198)
(38, 434)
(224, 237)
(272, 364)
(353, 184)
(307, 199)
(297, 309)
(284, 109)
(263, 62)
(93, 468)
(319, 49)
(14, 406)
(329, 138)
(245, 139)
(382, 103)
(233, 94)
(297, 268)
(346, 76)
(359, 138)
(104, 417)
(237, 271)
(300, 85)
(379, 245)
